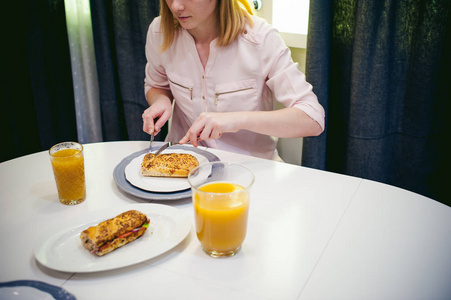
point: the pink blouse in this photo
(248, 75)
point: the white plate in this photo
(128, 188)
(63, 251)
(158, 184)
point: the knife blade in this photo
(165, 146)
(170, 144)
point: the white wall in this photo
(290, 150)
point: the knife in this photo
(165, 146)
(170, 144)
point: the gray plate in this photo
(127, 187)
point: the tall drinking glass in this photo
(220, 193)
(69, 170)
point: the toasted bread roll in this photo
(168, 165)
(116, 232)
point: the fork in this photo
(151, 140)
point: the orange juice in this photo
(221, 211)
(69, 170)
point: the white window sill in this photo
(294, 40)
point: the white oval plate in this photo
(63, 250)
(158, 184)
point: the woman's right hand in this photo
(157, 114)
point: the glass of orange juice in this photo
(220, 193)
(69, 170)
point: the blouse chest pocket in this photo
(181, 88)
(237, 96)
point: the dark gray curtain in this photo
(119, 29)
(37, 101)
(381, 70)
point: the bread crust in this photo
(168, 165)
(119, 242)
(103, 238)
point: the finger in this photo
(216, 134)
(193, 140)
(184, 139)
(208, 133)
(162, 120)
(197, 135)
(158, 125)
(148, 127)
(193, 133)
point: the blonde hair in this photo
(233, 15)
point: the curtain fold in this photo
(84, 72)
(37, 91)
(317, 68)
(381, 70)
(120, 29)
(37, 106)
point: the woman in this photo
(223, 67)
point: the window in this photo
(290, 17)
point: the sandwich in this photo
(168, 165)
(116, 232)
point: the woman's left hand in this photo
(210, 126)
(288, 122)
